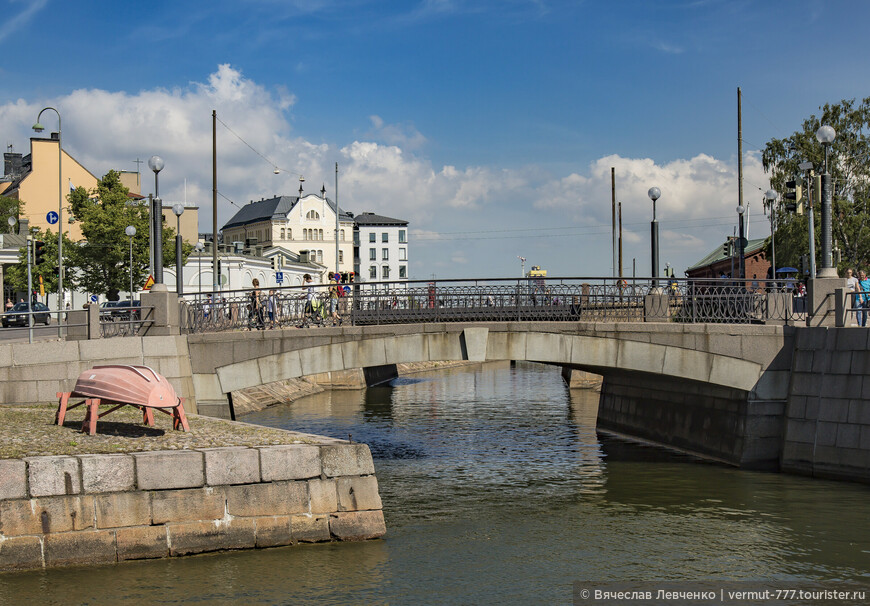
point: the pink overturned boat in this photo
(123, 385)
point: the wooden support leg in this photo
(148, 417)
(178, 416)
(93, 414)
(61, 407)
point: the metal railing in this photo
(498, 300)
(126, 321)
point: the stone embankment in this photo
(71, 509)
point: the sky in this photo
(491, 126)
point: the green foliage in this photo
(849, 165)
(9, 207)
(16, 275)
(102, 259)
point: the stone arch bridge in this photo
(718, 390)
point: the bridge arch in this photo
(597, 353)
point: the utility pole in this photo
(741, 251)
(620, 239)
(214, 241)
(613, 215)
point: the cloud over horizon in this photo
(109, 130)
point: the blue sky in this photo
(490, 125)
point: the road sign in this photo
(51, 217)
(94, 298)
(279, 276)
(148, 283)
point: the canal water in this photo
(498, 489)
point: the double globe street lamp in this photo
(654, 194)
(826, 135)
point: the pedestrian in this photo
(334, 287)
(9, 304)
(863, 296)
(851, 289)
(270, 308)
(255, 306)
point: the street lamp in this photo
(741, 244)
(11, 221)
(654, 194)
(155, 163)
(826, 135)
(178, 209)
(199, 246)
(769, 200)
(131, 231)
(39, 128)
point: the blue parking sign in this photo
(279, 276)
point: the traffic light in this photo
(794, 196)
(726, 248)
(219, 267)
(56, 271)
(38, 252)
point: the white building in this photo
(296, 224)
(381, 248)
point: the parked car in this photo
(118, 310)
(15, 317)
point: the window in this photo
(320, 256)
(342, 235)
(282, 233)
(403, 254)
(402, 237)
(341, 256)
(289, 234)
(373, 254)
(385, 237)
(313, 215)
(373, 272)
(385, 254)
(403, 271)
(385, 272)
(321, 234)
(372, 237)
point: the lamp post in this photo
(769, 200)
(39, 128)
(199, 246)
(178, 209)
(131, 231)
(741, 243)
(11, 221)
(155, 163)
(522, 266)
(654, 194)
(826, 135)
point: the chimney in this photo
(12, 164)
(23, 227)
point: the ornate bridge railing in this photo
(498, 300)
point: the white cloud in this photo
(401, 135)
(105, 129)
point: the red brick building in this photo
(717, 263)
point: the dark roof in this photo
(373, 219)
(273, 208)
(718, 253)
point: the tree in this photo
(849, 165)
(102, 259)
(9, 207)
(16, 275)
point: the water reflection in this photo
(498, 489)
